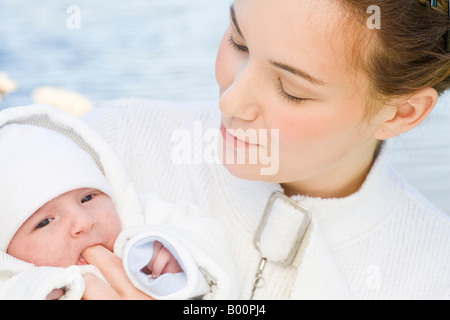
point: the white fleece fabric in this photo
(38, 164)
(183, 227)
(189, 283)
(383, 242)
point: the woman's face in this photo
(282, 65)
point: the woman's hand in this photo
(97, 289)
(56, 294)
(119, 288)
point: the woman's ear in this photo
(408, 114)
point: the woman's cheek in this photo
(313, 123)
(229, 63)
(292, 130)
(224, 70)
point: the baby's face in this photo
(62, 229)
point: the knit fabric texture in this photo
(383, 242)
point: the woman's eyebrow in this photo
(299, 73)
(235, 22)
(282, 66)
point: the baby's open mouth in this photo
(81, 261)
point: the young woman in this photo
(323, 84)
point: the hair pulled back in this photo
(408, 51)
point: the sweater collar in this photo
(346, 219)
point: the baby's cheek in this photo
(112, 228)
(54, 257)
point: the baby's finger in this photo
(160, 262)
(172, 266)
(157, 246)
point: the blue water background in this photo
(159, 49)
(163, 49)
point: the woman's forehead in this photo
(303, 34)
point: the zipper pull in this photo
(259, 280)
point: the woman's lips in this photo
(233, 141)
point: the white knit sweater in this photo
(383, 242)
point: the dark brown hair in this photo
(409, 50)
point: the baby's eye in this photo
(87, 198)
(44, 222)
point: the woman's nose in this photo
(239, 99)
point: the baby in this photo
(60, 196)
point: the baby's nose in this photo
(82, 223)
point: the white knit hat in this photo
(36, 166)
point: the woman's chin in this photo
(252, 172)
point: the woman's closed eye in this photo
(282, 92)
(236, 46)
